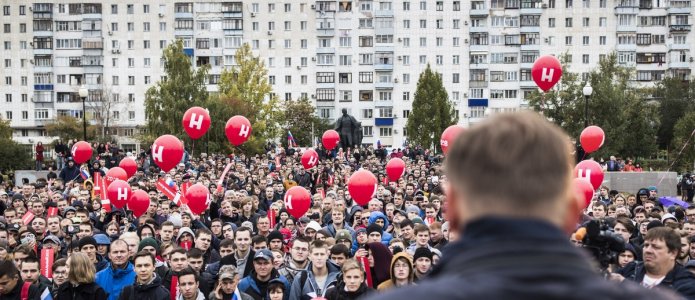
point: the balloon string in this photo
(677, 157)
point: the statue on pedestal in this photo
(350, 131)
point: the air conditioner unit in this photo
(544, 5)
(31, 44)
(465, 22)
(400, 57)
(691, 59)
(313, 96)
(395, 131)
(161, 15)
(31, 61)
(253, 14)
(465, 95)
(31, 9)
(270, 32)
(465, 41)
(299, 67)
(313, 6)
(313, 59)
(400, 39)
(110, 33)
(395, 80)
(547, 40)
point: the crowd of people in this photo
(246, 245)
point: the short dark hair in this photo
(144, 253)
(62, 262)
(407, 222)
(7, 268)
(227, 243)
(189, 271)
(31, 260)
(194, 253)
(179, 251)
(202, 231)
(242, 229)
(666, 234)
(338, 249)
(258, 239)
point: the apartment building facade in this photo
(362, 55)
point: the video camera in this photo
(603, 243)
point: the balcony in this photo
(645, 4)
(679, 10)
(325, 50)
(627, 28)
(380, 48)
(43, 51)
(479, 48)
(479, 12)
(679, 28)
(43, 15)
(383, 86)
(325, 32)
(183, 15)
(325, 85)
(383, 67)
(629, 10)
(678, 64)
(43, 33)
(478, 29)
(383, 13)
(477, 84)
(679, 46)
(233, 15)
(43, 87)
(233, 31)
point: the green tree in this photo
(248, 82)
(676, 98)
(300, 118)
(182, 87)
(683, 133)
(67, 128)
(616, 105)
(432, 112)
(20, 157)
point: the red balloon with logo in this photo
(196, 122)
(198, 198)
(167, 152)
(138, 202)
(119, 192)
(592, 138)
(297, 201)
(395, 168)
(238, 130)
(330, 139)
(362, 186)
(585, 192)
(129, 165)
(114, 174)
(449, 136)
(591, 171)
(81, 152)
(310, 158)
(546, 72)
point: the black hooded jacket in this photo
(150, 291)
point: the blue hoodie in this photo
(385, 236)
(113, 281)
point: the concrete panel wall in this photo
(631, 182)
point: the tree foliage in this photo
(68, 127)
(182, 87)
(246, 83)
(676, 99)
(300, 118)
(16, 156)
(616, 105)
(682, 134)
(432, 112)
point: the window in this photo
(585, 22)
(325, 94)
(345, 96)
(367, 113)
(41, 114)
(568, 40)
(366, 96)
(585, 40)
(367, 131)
(602, 22)
(406, 96)
(585, 58)
(325, 77)
(568, 22)
(366, 77)
(385, 131)
(602, 40)
(345, 77)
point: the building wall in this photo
(364, 56)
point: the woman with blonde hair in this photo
(81, 280)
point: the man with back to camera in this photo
(513, 237)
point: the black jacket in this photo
(16, 293)
(339, 293)
(89, 291)
(205, 283)
(500, 258)
(679, 279)
(151, 291)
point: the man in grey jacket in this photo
(319, 276)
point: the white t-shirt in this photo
(650, 282)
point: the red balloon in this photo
(196, 122)
(546, 72)
(198, 198)
(585, 191)
(138, 202)
(119, 192)
(129, 165)
(238, 130)
(81, 152)
(590, 170)
(362, 186)
(592, 138)
(167, 152)
(330, 139)
(297, 201)
(395, 168)
(310, 159)
(114, 174)
(449, 136)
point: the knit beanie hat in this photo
(148, 242)
(422, 252)
(87, 240)
(275, 235)
(374, 228)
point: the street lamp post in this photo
(84, 92)
(587, 90)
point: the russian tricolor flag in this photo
(290, 139)
(85, 174)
